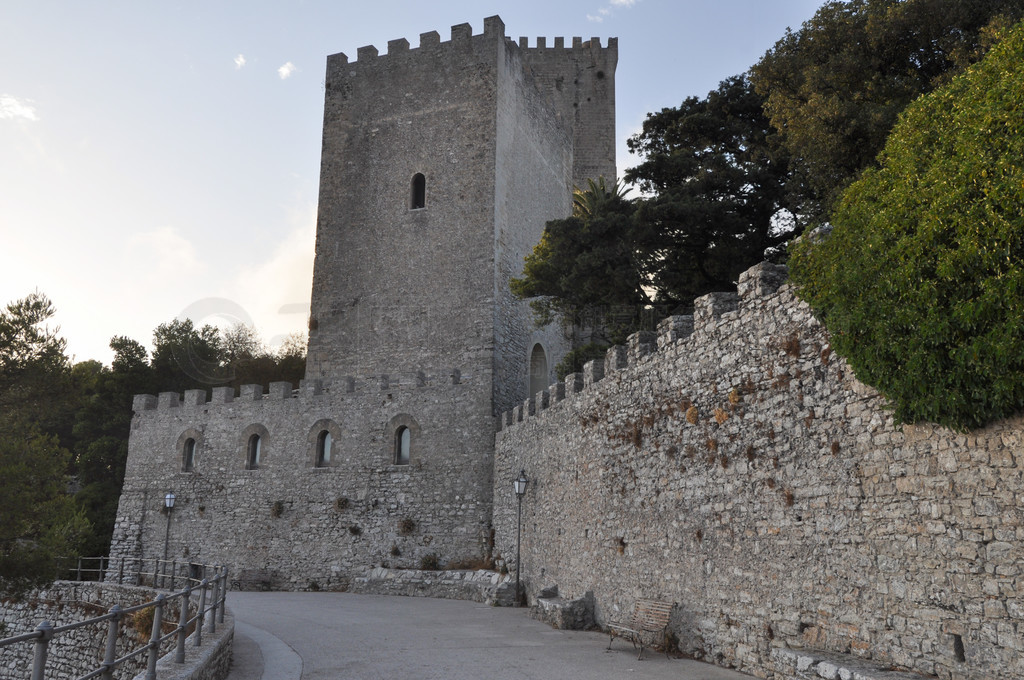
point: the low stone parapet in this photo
(478, 585)
(813, 663)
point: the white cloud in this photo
(12, 107)
(286, 70)
(606, 10)
(239, 61)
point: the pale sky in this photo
(162, 159)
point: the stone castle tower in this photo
(440, 166)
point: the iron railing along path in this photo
(195, 577)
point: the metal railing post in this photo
(78, 576)
(216, 601)
(174, 568)
(223, 592)
(156, 568)
(154, 640)
(120, 572)
(202, 613)
(45, 630)
(179, 652)
(111, 651)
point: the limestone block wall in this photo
(74, 653)
(733, 464)
(307, 526)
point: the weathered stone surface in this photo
(478, 585)
(744, 473)
(440, 166)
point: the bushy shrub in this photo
(921, 282)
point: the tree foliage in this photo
(834, 88)
(38, 520)
(66, 426)
(717, 192)
(921, 282)
(41, 523)
(714, 207)
(586, 268)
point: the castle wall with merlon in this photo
(304, 525)
(412, 322)
(733, 464)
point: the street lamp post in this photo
(169, 506)
(519, 485)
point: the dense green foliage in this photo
(38, 519)
(713, 208)
(834, 88)
(66, 427)
(715, 201)
(585, 265)
(921, 282)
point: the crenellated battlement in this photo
(371, 385)
(709, 311)
(462, 35)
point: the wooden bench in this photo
(649, 620)
(253, 579)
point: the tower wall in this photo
(412, 324)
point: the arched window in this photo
(419, 191)
(323, 449)
(538, 370)
(252, 458)
(403, 438)
(188, 455)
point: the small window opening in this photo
(419, 191)
(403, 438)
(252, 460)
(323, 449)
(189, 456)
(538, 370)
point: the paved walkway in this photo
(335, 636)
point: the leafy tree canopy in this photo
(717, 192)
(921, 282)
(835, 87)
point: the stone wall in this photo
(74, 653)
(476, 585)
(307, 526)
(733, 464)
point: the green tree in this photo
(834, 88)
(717, 192)
(186, 357)
(585, 263)
(34, 370)
(921, 282)
(102, 424)
(40, 522)
(38, 519)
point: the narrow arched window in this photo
(323, 449)
(403, 437)
(188, 455)
(538, 370)
(419, 191)
(252, 458)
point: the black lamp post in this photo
(169, 506)
(519, 485)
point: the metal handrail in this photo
(196, 579)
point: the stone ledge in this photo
(478, 585)
(565, 614)
(813, 663)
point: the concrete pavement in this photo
(335, 636)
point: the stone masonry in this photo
(440, 166)
(732, 464)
